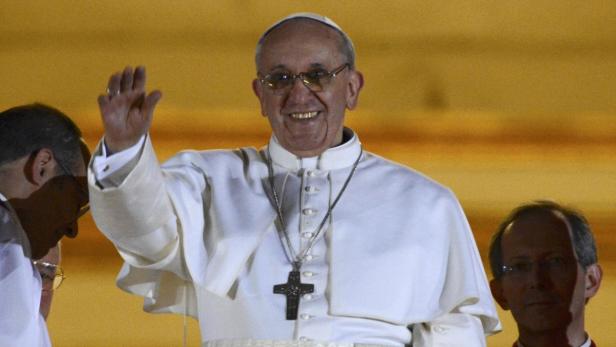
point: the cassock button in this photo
(308, 274)
(308, 257)
(309, 211)
(307, 234)
(311, 173)
(304, 316)
(308, 296)
(311, 189)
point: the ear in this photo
(355, 84)
(257, 88)
(41, 167)
(497, 292)
(592, 280)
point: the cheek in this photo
(271, 105)
(514, 294)
(575, 289)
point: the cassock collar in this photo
(338, 157)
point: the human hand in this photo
(126, 109)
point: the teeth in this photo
(304, 115)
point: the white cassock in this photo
(397, 261)
(21, 324)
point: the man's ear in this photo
(40, 167)
(257, 88)
(592, 280)
(354, 86)
(496, 288)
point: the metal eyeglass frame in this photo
(315, 86)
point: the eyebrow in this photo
(282, 66)
(540, 256)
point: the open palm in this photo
(126, 109)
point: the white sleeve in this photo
(140, 218)
(21, 324)
(452, 329)
(105, 166)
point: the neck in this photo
(553, 338)
(341, 138)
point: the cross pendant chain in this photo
(293, 289)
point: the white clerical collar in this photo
(585, 344)
(338, 157)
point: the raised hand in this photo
(126, 109)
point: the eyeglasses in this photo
(551, 265)
(51, 274)
(315, 80)
(84, 195)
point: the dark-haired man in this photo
(310, 241)
(544, 261)
(42, 194)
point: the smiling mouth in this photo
(304, 115)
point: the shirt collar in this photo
(5, 202)
(341, 156)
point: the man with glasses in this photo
(309, 240)
(52, 276)
(544, 261)
(42, 194)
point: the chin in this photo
(546, 321)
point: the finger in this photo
(139, 78)
(127, 79)
(147, 109)
(134, 98)
(103, 101)
(113, 86)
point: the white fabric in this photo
(398, 251)
(21, 324)
(104, 168)
(313, 16)
(282, 343)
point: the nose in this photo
(299, 92)
(539, 276)
(71, 231)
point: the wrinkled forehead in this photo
(304, 33)
(299, 45)
(299, 30)
(536, 232)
